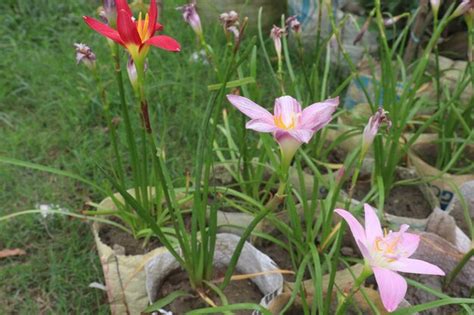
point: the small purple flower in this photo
(85, 55)
(191, 17)
(372, 127)
(276, 34)
(293, 24)
(387, 254)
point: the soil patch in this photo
(280, 256)
(405, 201)
(112, 236)
(428, 152)
(243, 291)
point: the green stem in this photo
(452, 275)
(366, 272)
(112, 131)
(126, 117)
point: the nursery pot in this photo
(443, 185)
(210, 10)
(124, 274)
(251, 261)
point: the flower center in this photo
(388, 246)
(142, 27)
(286, 124)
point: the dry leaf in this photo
(11, 252)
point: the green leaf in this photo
(165, 301)
(232, 84)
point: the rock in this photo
(443, 254)
(442, 224)
(456, 209)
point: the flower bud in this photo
(85, 55)
(276, 34)
(191, 17)
(229, 19)
(466, 7)
(370, 131)
(435, 6)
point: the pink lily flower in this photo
(291, 126)
(372, 127)
(387, 253)
(289, 120)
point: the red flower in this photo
(135, 36)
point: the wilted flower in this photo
(392, 20)
(291, 126)
(372, 127)
(85, 55)
(109, 12)
(135, 36)
(229, 19)
(293, 24)
(191, 17)
(387, 253)
(435, 6)
(276, 34)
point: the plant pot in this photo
(124, 274)
(210, 10)
(343, 281)
(250, 261)
(443, 185)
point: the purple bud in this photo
(370, 131)
(191, 17)
(132, 72)
(85, 55)
(293, 24)
(276, 34)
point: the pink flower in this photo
(293, 24)
(288, 120)
(386, 254)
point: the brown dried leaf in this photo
(12, 252)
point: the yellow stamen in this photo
(281, 124)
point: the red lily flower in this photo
(135, 36)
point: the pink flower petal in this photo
(372, 225)
(410, 243)
(250, 108)
(287, 109)
(260, 125)
(364, 250)
(416, 266)
(356, 228)
(164, 42)
(318, 115)
(302, 135)
(392, 287)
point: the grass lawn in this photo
(50, 114)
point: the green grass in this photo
(50, 114)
